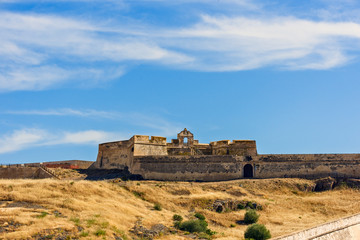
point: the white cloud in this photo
(233, 44)
(34, 137)
(30, 138)
(153, 124)
(20, 139)
(30, 43)
(44, 51)
(34, 78)
(69, 112)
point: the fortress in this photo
(186, 159)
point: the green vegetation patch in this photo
(42, 215)
(251, 216)
(257, 232)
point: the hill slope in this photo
(31, 209)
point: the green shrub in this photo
(177, 224)
(240, 206)
(157, 207)
(194, 226)
(100, 232)
(204, 236)
(199, 216)
(250, 205)
(232, 225)
(140, 195)
(257, 232)
(259, 207)
(84, 234)
(209, 232)
(251, 216)
(177, 218)
(42, 215)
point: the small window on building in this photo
(132, 149)
(227, 151)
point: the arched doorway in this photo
(248, 171)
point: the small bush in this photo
(100, 232)
(199, 216)
(240, 206)
(251, 217)
(177, 218)
(232, 225)
(257, 232)
(140, 195)
(157, 207)
(194, 226)
(177, 224)
(84, 234)
(42, 215)
(250, 205)
(204, 236)
(209, 232)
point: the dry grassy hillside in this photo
(42, 209)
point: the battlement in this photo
(148, 140)
(220, 143)
(233, 142)
(140, 139)
(186, 159)
(158, 140)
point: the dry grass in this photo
(68, 174)
(115, 207)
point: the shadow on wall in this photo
(103, 174)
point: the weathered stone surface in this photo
(24, 172)
(324, 184)
(149, 234)
(181, 160)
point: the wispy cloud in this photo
(27, 138)
(152, 123)
(69, 112)
(40, 51)
(240, 43)
(32, 137)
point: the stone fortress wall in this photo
(186, 159)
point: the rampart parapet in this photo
(185, 158)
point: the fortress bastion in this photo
(186, 159)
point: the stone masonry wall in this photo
(141, 149)
(227, 167)
(23, 172)
(307, 165)
(114, 155)
(307, 157)
(190, 168)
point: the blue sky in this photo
(77, 73)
